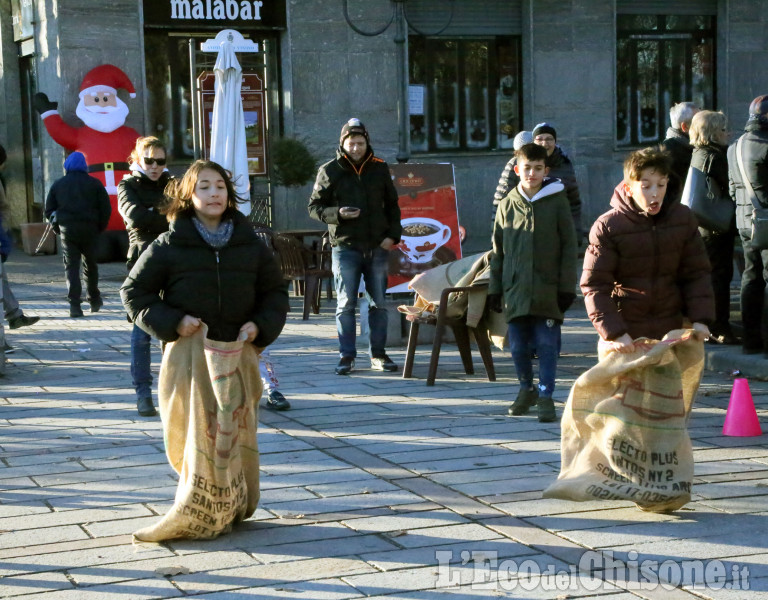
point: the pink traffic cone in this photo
(741, 418)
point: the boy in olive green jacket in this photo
(533, 275)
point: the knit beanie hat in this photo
(521, 139)
(75, 162)
(353, 127)
(544, 128)
(758, 110)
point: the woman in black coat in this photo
(709, 137)
(140, 199)
(209, 267)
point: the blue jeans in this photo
(526, 333)
(349, 266)
(141, 360)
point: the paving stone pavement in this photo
(372, 486)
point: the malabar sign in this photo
(244, 14)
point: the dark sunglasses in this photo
(151, 161)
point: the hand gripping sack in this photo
(713, 209)
(209, 393)
(624, 429)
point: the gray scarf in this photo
(216, 239)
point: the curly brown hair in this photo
(179, 191)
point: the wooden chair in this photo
(305, 267)
(461, 332)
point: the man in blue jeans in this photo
(354, 195)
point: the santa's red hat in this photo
(107, 77)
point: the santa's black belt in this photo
(118, 166)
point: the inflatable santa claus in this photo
(105, 140)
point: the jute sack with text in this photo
(624, 429)
(208, 394)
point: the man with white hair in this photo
(677, 142)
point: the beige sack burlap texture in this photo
(624, 429)
(469, 271)
(208, 394)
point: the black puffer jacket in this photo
(560, 167)
(678, 145)
(368, 187)
(643, 274)
(711, 159)
(755, 157)
(181, 274)
(138, 200)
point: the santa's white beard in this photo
(107, 119)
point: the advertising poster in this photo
(430, 219)
(252, 92)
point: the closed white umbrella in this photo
(228, 126)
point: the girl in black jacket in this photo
(209, 267)
(209, 273)
(709, 138)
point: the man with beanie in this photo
(80, 206)
(677, 142)
(354, 195)
(560, 167)
(753, 152)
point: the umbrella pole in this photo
(197, 119)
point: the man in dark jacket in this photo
(80, 206)
(677, 142)
(354, 195)
(754, 157)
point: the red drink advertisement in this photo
(430, 219)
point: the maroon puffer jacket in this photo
(642, 275)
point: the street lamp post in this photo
(400, 17)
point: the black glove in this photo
(564, 300)
(3, 257)
(41, 103)
(494, 302)
(53, 220)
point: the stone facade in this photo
(328, 73)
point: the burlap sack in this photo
(209, 393)
(623, 431)
(469, 271)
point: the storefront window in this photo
(464, 93)
(169, 97)
(660, 60)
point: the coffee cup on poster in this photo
(421, 237)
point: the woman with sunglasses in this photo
(139, 197)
